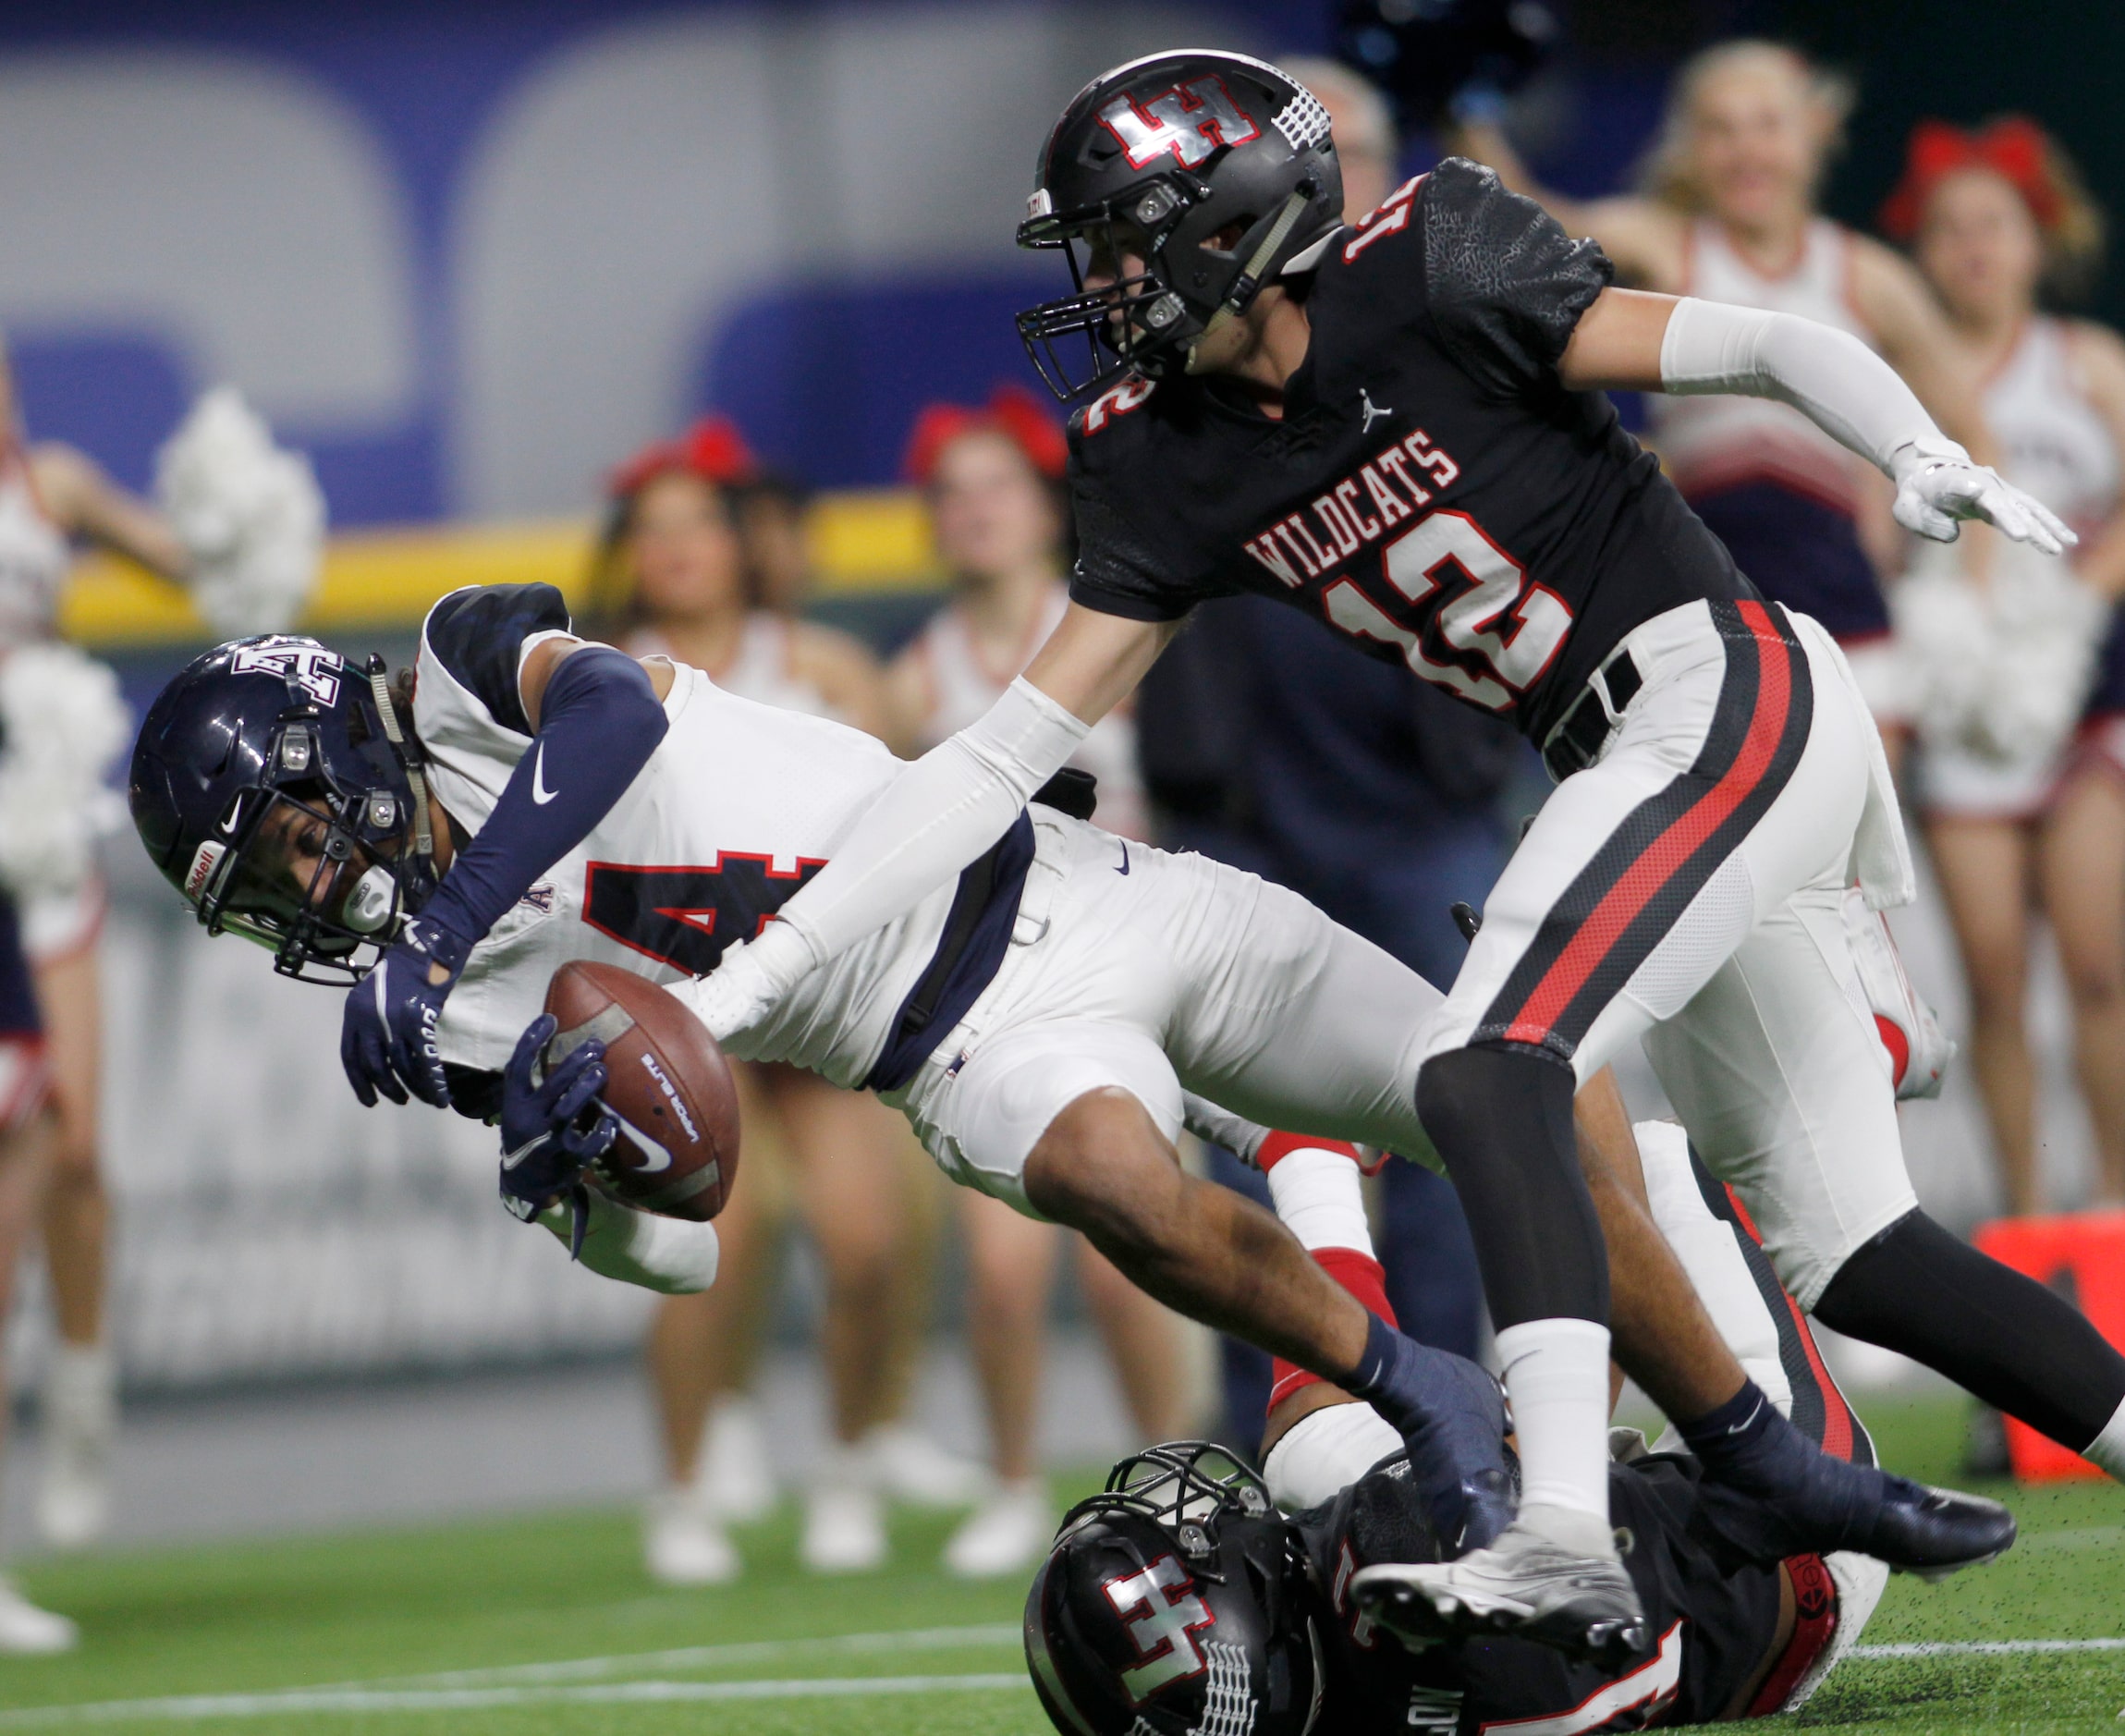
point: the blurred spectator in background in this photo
(61, 725)
(1353, 782)
(1727, 213)
(991, 479)
(673, 578)
(2017, 816)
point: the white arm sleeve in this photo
(1829, 376)
(670, 1255)
(940, 814)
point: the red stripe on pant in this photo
(1366, 1279)
(1659, 862)
(1836, 1418)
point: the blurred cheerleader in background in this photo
(990, 478)
(2003, 657)
(678, 575)
(1727, 213)
(241, 523)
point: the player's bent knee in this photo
(1104, 1168)
(1467, 1097)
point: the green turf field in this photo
(547, 1624)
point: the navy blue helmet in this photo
(1213, 171)
(1175, 1602)
(276, 789)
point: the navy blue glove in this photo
(548, 1137)
(387, 1032)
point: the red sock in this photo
(1360, 1273)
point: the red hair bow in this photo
(2012, 147)
(712, 449)
(1011, 411)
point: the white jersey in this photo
(35, 560)
(962, 686)
(1717, 441)
(738, 806)
(764, 668)
(2054, 441)
(2006, 666)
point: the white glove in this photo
(749, 982)
(1938, 485)
(64, 724)
(249, 513)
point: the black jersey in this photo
(1433, 490)
(1710, 1628)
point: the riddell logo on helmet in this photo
(1191, 121)
(204, 861)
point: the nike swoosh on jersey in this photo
(1124, 868)
(540, 793)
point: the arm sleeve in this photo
(674, 1256)
(939, 814)
(1504, 284)
(600, 722)
(1829, 376)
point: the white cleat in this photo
(736, 1474)
(1522, 1584)
(683, 1543)
(79, 1412)
(844, 1517)
(911, 1467)
(29, 1631)
(1007, 1533)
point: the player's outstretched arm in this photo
(599, 716)
(942, 812)
(1651, 343)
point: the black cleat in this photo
(1523, 1585)
(1842, 1506)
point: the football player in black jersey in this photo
(1139, 1624)
(1399, 427)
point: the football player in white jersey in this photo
(1045, 1022)
(1729, 215)
(990, 481)
(2019, 814)
(61, 725)
(673, 576)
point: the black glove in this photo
(387, 1032)
(549, 1134)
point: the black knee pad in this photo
(1501, 1119)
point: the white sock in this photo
(1556, 1374)
(2107, 1451)
(1319, 1199)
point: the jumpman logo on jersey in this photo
(1373, 411)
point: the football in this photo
(667, 1083)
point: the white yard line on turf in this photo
(1983, 1648)
(704, 1657)
(205, 1705)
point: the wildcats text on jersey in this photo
(1485, 632)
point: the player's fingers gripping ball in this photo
(667, 1089)
(553, 1125)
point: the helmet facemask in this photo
(1208, 172)
(368, 876)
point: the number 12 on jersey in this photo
(1509, 627)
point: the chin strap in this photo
(424, 829)
(1248, 285)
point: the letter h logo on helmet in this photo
(1161, 1611)
(1190, 121)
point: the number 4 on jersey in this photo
(689, 917)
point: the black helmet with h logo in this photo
(1173, 1603)
(1210, 173)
